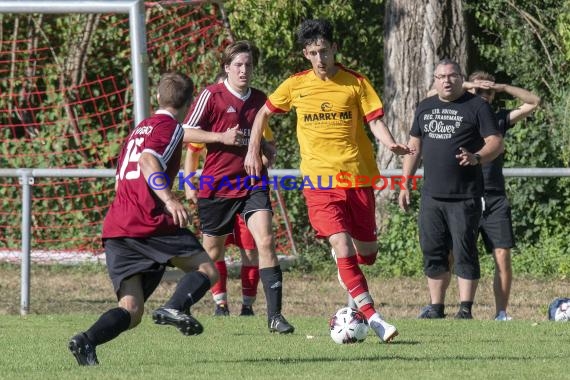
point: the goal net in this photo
(66, 102)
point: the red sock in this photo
(366, 260)
(249, 280)
(221, 285)
(355, 281)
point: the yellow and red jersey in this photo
(330, 123)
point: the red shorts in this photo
(240, 236)
(343, 210)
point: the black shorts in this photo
(450, 224)
(496, 225)
(217, 215)
(148, 257)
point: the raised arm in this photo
(530, 101)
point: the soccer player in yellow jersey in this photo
(332, 105)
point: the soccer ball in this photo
(559, 310)
(347, 326)
(562, 313)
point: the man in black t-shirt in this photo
(496, 225)
(454, 133)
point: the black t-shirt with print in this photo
(493, 171)
(444, 127)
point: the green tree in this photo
(527, 44)
(271, 25)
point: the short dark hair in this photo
(447, 61)
(312, 30)
(175, 90)
(239, 47)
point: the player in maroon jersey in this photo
(220, 112)
(143, 231)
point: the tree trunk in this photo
(417, 34)
(73, 73)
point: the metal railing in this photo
(26, 180)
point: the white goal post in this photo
(136, 11)
(141, 104)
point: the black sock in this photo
(272, 279)
(439, 308)
(466, 305)
(191, 288)
(109, 326)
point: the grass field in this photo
(241, 348)
(66, 300)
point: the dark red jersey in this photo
(217, 109)
(136, 211)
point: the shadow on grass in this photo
(376, 358)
